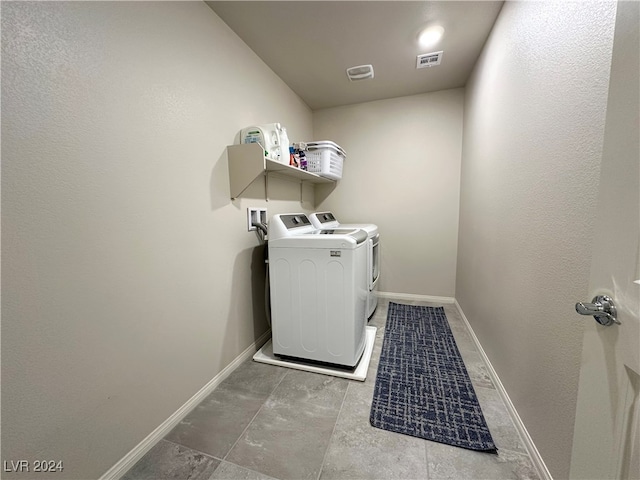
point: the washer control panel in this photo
(295, 221)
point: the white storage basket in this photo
(326, 160)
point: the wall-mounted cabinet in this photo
(247, 163)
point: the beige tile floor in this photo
(265, 422)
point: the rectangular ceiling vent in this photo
(429, 59)
(361, 72)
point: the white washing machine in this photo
(319, 290)
(326, 220)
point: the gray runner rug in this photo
(422, 386)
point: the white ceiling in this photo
(311, 44)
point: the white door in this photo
(606, 440)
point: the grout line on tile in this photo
(254, 417)
(426, 459)
(324, 457)
(192, 449)
(262, 474)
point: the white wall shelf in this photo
(247, 163)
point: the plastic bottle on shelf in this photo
(284, 147)
(303, 160)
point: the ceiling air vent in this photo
(429, 59)
(361, 72)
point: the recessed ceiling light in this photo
(430, 36)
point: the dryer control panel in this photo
(326, 217)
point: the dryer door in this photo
(374, 261)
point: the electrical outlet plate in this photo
(255, 215)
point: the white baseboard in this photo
(415, 297)
(536, 458)
(126, 462)
(122, 466)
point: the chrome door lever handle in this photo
(602, 309)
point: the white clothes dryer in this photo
(327, 220)
(319, 290)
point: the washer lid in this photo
(370, 228)
(358, 235)
(329, 220)
(330, 238)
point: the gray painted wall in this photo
(129, 279)
(533, 137)
(403, 174)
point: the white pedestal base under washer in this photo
(359, 372)
(324, 220)
(319, 290)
